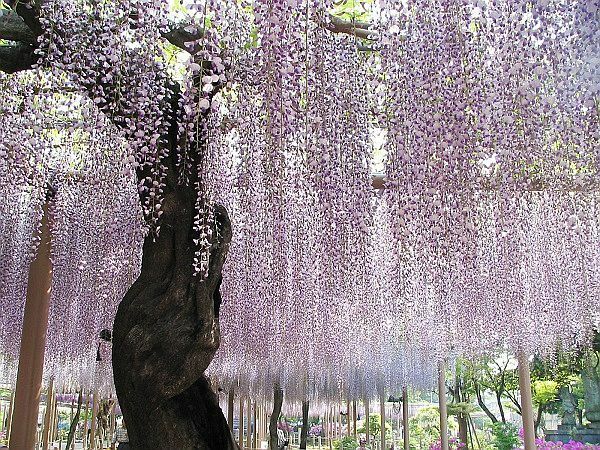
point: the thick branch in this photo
(13, 28)
(359, 29)
(29, 12)
(483, 406)
(14, 58)
(181, 35)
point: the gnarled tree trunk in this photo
(165, 334)
(166, 330)
(277, 403)
(304, 432)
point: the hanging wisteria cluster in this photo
(485, 235)
(72, 160)
(482, 233)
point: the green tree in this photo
(374, 426)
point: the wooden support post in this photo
(46, 433)
(526, 402)
(10, 414)
(230, 398)
(443, 405)
(113, 423)
(241, 424)
(255, 425)
(93, 425)
(382, 412)
(54, 430)
(23, 432)
(340, 429)
(348, 417)
(405, 419)
(249, 422)
(367, 417)
(256, 418)
(86, 421)
(332, 420)
(354, 418)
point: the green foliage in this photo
(374, 426)
(352, 9)
(424, 427)
(455, 409)
(544, 391)
(506, 436)
(346, 443)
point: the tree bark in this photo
(166, 329)
(74, 422)
(304, 432)
(165, 334)
(277, 403)
(483, 406)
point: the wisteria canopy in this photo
(479, 230)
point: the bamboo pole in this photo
(33, 342)
(48, 415)
(405, 419)
(443, 405)
(526, 402)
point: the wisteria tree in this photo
(166, 329)
(485, 228)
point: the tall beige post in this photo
(46, 433)
(93, 425)
(255, 422)
(340, 428)
(382, 412)
(87, 419)
(10, 413)
(526, 402)
(354, 417)
(54, 429)
(241, 424)
(348, 417)
(230, 398)
(367, 416)
(249, 422)
(405, 419)
(443, 405)
(33, 342)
